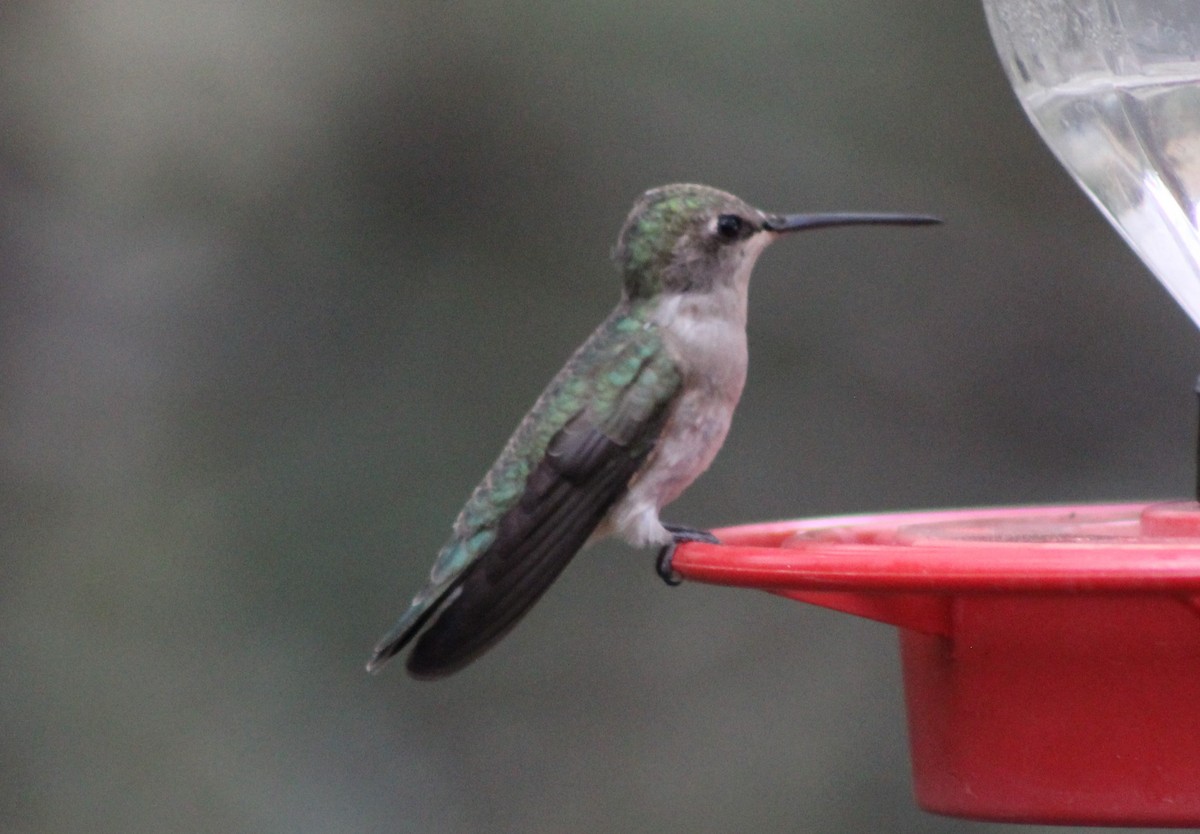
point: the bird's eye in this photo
(730, 226)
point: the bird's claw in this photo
(665, 556)
(663, 565)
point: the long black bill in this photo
(797, 222)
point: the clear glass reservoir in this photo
(1113, 86)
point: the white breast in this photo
(705, 333)
(709, 347)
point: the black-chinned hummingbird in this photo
(637, 413)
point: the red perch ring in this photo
(1051, 655)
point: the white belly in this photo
(711, 353)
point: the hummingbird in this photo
(636, 414)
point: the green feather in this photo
(620, 376)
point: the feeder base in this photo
(1063, 711)
(1051, 654)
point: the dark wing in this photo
(590, 431)
(582, 475)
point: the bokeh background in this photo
(277, 281)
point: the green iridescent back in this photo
(618, 376)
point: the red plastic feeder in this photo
(1051, 654)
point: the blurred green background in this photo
(277, 281)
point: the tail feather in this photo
(424, 606)
(563, 501)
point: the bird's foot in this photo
(679, 534)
